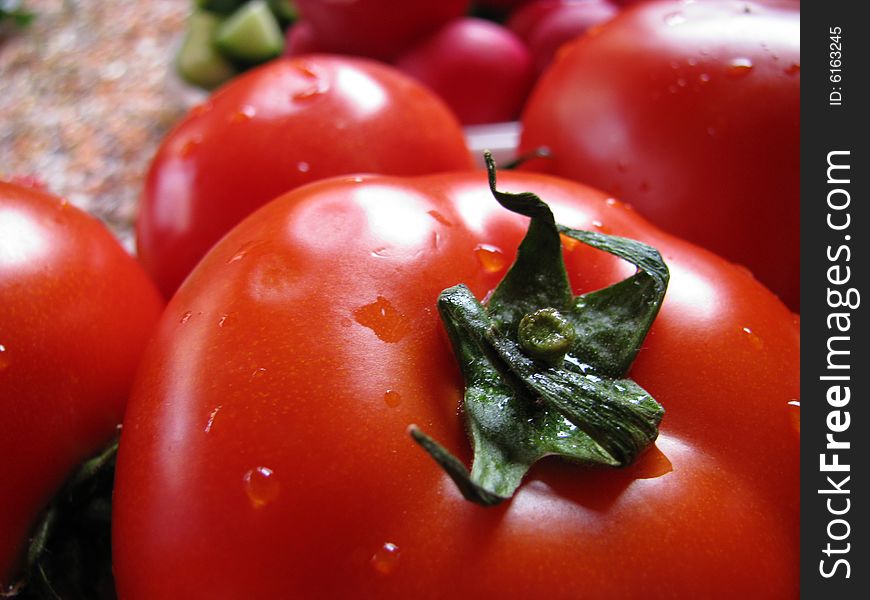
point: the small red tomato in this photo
(286, 123)
(691, 113)
(563, 23)
(480, 68)
(75, 313)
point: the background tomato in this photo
(75, 313)
(481, 69)
(690, 112)
(375, 28)
(265, 451)
(546, 25)
(284, 124)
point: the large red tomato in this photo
(691, 113)
(265, 453)
(75, 313)
(289, 122)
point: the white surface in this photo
(499, 138)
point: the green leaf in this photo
(523, 403)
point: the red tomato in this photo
(563, 23)
(524, 19)
(265, 451)
(691, 113)
(480, 68)
(75, 313)
(300, 39)
(375, 28)
(284, 124)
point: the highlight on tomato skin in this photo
(76, 311)
(266, 453)
(289, 122)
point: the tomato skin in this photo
(265, 452)
(691, 113)
(547, 25)
(289, 122)
(75, 313)
(375, 28)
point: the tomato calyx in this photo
(69, 552)
(544, 370)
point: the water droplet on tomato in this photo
(310, 92)
(223, 320)
(491, 258)
(704, 78)
(794, 411)
(793, 69)
(4, 358)
(245, 113)
(303, 167)
(383, 319)
(261, 486)
(185, 317)
(753, 338)
(241, 252)
(392, 398)
(739, 67)
(258, 373)
(210, 423)
(306, 69)
(188, 148)
(201, 109)
(440, 218)
(384, 561)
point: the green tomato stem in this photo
(545, 371)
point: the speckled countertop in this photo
(86, 94)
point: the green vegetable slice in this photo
(251, 34)
(199, 62)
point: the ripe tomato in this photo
(691, 113)
(75, 313)
(481, 69)
(546, 25)
(375, 28)
(265, 451)
(284, 124)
